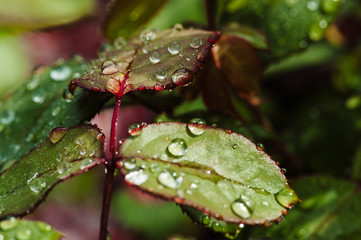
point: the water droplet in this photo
(283, 170)
(9, 224)
(109, 67)
(147, 35)
(260, 146)
(194, 185)
(312, 5)
(196, 129)
(43, 226)
(234, 146)
(82, 152)
(241, 209)
(177, 147)
(67, 95)
(33, 83)
(137, 177)
(174, 47)
(7, 117)
(201, 57)
(206, 220)
(265, 203)
(154, 167)
(100, 136)
(241, 225)
(286, 197)
(129, 163)
(60, 73)
(57, 134)
(229, 131)
(38, 96)
(182, 77)
(23, 234)
(86, 163)
(197, 120)
(195, 43)
(161, 74)
(323, 24)
(63, 168)
(216, 227)
(36, 185)
(134, 129)
(169, 181)
(119, 42)
(177, 27)
(154, 57)
(55, 111)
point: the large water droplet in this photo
(147, 35)
(177, 27)
(60, 73)
(109, 67)
(196, 43)
(137, 177)
(174, 47)
(7, 225)
(7, 117)
(130, 163)
(23, 234)
(57, 134)
(241, 209)
(169, 181)
(177, 147)
(161, 74)
(286, 197)
(154, 57)
(196, 129)
(182, 77)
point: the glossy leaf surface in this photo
(214, 170)
(41, 104)
(67, 152)
(152, 60)
(24, 229)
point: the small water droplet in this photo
(260, 146)
(7, 225)
(7, 117)
(57, 134)
(129, 163)
(119, 42)
(216, 227)
(286, 197)
(169, 181)
(43, 226)
(196, 129)
(38, 96)
(196, 43)
(206, 220)
(194, 185)
(265, 203)
(174, 47)
(60, 73)
(154, 167)
(182, 77)
(137, 177)
(63, 168)
(234, 146)
(312, 5)
(241, 225)
(36, 185)
(177, 27)
(147, 35)
(201, 57)
(161, 74)
(100, 136)
(154, 57)
(33, 83)
(229, 131)
(283, 170)
(109, 67)
(197, 120)
(241, 209)
(135, 129)
(177, 147)
(23, 234)
(55, 111)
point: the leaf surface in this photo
(152, 60)
(41, 104)
(25, 229)
(67, 152)
(216, 171)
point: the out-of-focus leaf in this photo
(330, 209)
(24, 229)
(356, 168)
(156, 220)
(41, 104)
(216, 171)
(152, 60)
(127, 17)
(25, 15)
(67, 152)
(240, 66)
(289, 25)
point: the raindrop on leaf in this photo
(60, 73)
(196, 43)
(241, 209)
(154, 57)
(177, 27)
(167, 180)
(109, 67)
(177, 147)
(182, 77)
(174, 47)
(147, 35)
(161, 74)
(137, 177)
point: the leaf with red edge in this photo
(152, 60)
(67, 152)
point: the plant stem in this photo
(211, 13)
(110, 169)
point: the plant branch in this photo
(211, 12)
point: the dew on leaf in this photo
(196, 129)
(7, 225)
(43, 226)
(201, 57)
(154, 57)
(109, 67)
(134, 129)
(129, 163)
(147, 35)
(197, 120)
(137, 177)
(161, 74)
(63, 168)
(168, 180)
(241, 209)
(174, 47)
(182, 77)
(23, 234)
(234, 146)
(196, 43)
(36, 185)
(7, 117)
(57, 134)
(60, 73)
(177, 147)
(177, 27)
(85, 163)
(206, 219)
(216, 227)
(154, 167)
(286, 197)
(194, 186)
(38, 96)
(260, 146)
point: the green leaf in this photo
(41, 104)
(25, 229)
(25, 184)
(330, 209)
(152, 60)
(214, 170)
(126, 17)
(24, 14)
